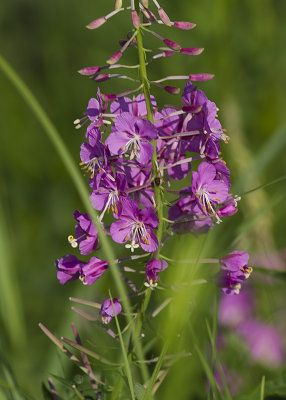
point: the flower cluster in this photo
(133, 151)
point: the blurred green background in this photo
(46, 43)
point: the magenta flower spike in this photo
(108, 310)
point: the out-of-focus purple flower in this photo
(264, 342)
(85, 233)
(93, 270)
(236, 271)
(132, 136)
(108, 311)
(69, 268)
(235, 309)
(136, 226)
(208, 190)
(153, 267)
(234, 261)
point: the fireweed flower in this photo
(93, 270)
(236, 271)
(208, 191)
(132, 136)
(85, 233)
(136, 226)
(153, 268)
(107, 310)
(69, 268)
(108, 195)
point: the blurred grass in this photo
(47, 43)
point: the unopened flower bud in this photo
(96, 23)
(135, 19)
(117, 4)
(164, 17)
(89, 71)
(173, 45)
(191, 51)
(108, 97)
(172, 89)
(101, 77)
(114, 58)
(201, 77)
(184, 25)
(145, 3)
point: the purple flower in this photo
(235, 261)
(153, 268)
(208, 190)
(108, 195)
(264, 342)
(132, 135)
(94, 158)
(69, 268)
(236, 271)
(95, 108)
(136, 226)
(93, 270)
(188, 215)
(107, 310)
(235, 309)
(85, 233)
(136, 106)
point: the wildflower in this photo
(132, 135)
(208, 191)
(85, 233)
(69, 268)
(107, 310)
(136, 226)
(93, 270)
(153, 268)
(236, 271)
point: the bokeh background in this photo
(46, 43)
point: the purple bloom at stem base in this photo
(153, 267)
(107, 310)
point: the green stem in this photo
(79, 183)
(146, 90)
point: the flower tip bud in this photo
(172, 89)
(173, 45)
(101, 77)
(191, 51)
(117, 4)
(108, 97)
(145, 3)
(135, 19)
(184, 25)
(89, 71)
(201, 77)
(164, 17)
(114, 58)
(96, 23)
